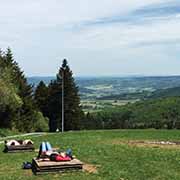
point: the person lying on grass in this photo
(46, 151)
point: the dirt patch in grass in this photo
(28, 172)
(90, 168)
(152, 144)
(155, 144)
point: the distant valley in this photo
(99, 87)
(99, 92)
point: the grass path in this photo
(2, 139)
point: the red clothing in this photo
(60, 158)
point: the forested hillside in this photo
(17, 107)
(48, 99)
(160, 114)
(26, 108)
(162, 93)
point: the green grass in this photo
(115, 161)
(7, 132)
(99, 105)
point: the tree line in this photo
(162, 113)
(49, 100)
(18, 109)
(24, 109)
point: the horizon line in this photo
(95, 76)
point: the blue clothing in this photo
(45, 146)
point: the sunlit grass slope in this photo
(114, 160)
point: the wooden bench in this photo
(40, 166)
(18, 148)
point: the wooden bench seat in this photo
(40, 166)
(19, 148)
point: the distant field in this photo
(110, 153)
(98, 105)
(101, 92)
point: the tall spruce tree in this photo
(10, 101)
(17, 106)
(41, 98)
(54, 105)
(23, 120)
(72, 109)
(24, 117)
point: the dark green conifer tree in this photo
(22, 120)
(9, 99)
(72, 109)
(25, 117)
(41, 98)
(54, 105)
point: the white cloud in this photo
(65, 11)
(43, 31)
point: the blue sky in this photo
(106, 37)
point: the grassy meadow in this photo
(99, 105)
(108, 152)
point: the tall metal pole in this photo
(62, 100)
